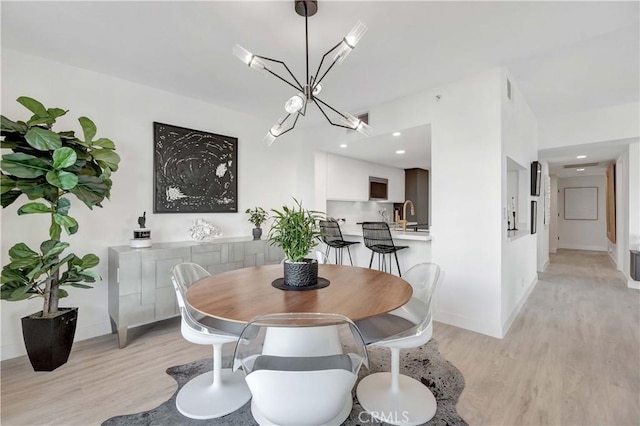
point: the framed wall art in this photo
(194, 171)
(534, 217)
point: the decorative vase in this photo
(257, 233)
(48, 340)
(301, 274)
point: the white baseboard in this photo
(468, 324)
(633, 284)
(581, 247)
(516, 310)
(545, 266)
(553, 250)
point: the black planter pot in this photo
(301, 274)
(49, 340)
(257, 233)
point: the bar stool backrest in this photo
(330, 231)
(376, 234)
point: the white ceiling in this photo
(565, 56)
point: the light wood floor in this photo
(572, 357)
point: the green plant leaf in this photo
(104, 143)
(52, 248)
(90, 190)
(78, 285)
(63, 206)
(7, 198)
(54, 231)
(26, 263)
(88, 128)
(30, 208)
(24, 165)
(90, 261)
(43, 139)
(32, 105)
(62, 293)
(107, 156)
(41, 119)
(67, 222)
(22, 251)
(36, 271)
(59, 264)
(6, 183)
(12, 276)
(57, 112)
(20, 293)
(61, 179)
(91, 274)
(64, 157)
(12, 126)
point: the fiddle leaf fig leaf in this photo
(12, 126)
(62, 293)
(64, 157)
(61, 179)
(6, 183)
(63, 206)
(21, 293)
(90, 261)
(7, 198)
(52, 248)
(57, 112)
(78, 285)
(24, 165)
(91, 190)
(43, 139)
(67, 222)
(32, 105)
(88, 128)
(104, 143)
(21, 251)
(54, 231)
(30, 208)
(107, 156)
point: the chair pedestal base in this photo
(412, 404)
(337, 420)
(200, 399)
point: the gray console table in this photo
(140, 289)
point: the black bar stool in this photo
(332, 237)
(377, 238)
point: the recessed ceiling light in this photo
(396, 133)
(343, 145)
(581, 156)
(400, 151)
(580, 170)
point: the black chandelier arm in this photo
(292, 126)
(316, 82)
(327, 117)
(298, 87)
(330, 107)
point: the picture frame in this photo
(534, 217)
(194, 171)
(536, 177)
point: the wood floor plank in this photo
(572, 357)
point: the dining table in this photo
(242, 294)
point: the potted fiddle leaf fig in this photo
(46, 167)
(295, 230)
(257, 216)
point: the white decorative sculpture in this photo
(203, 230)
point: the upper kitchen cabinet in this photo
(348, 179)
(417, 190)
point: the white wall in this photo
(605, 124)
(519, 143)
(583, 234)
(124, 112)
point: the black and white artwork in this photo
(195, 171)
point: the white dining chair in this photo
(390, 396)
(212, 394)
(307, 386)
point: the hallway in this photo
(571, 357)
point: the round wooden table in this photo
(242, 294)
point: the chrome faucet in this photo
(404, 220)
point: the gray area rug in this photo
(424, 363)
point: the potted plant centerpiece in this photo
(257, 216)
(47, 166)
(295, 230)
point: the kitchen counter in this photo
(417, 243)
(356, 231)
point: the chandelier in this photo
(309, 91)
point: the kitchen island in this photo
(418, 248)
